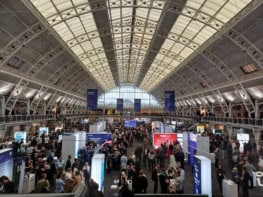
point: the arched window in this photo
(128, 93)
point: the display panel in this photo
(197, 176)
(242, 138)
(159, 138)
(99, 138)
(200, 129)
(43, 130)
(191, 147)
(20, 135)
(97, 170)
(202, 181)
(92, 99)
(217, 131)
(6, 163)
(130, 123)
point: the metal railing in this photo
(80, 191)
(24, 118)
(228, 120)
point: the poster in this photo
(169, 101)
(92, 99)
(137, 105)
(160, 138)
(119, 105)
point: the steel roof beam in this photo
(165, 25)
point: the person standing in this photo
(250, 169)
(86, 172)
(59, 185)
(245, 180)
(142, 183)
(8, 186)
(220, 174)
(155, 178)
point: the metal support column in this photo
(257, 115)
(3, 106)
(28, 107)
(229, 109)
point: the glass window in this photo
(128, 93)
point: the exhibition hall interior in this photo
(126, 98)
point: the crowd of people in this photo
(132, 155)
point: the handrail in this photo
(24, 118)
(231, 120)
(78, 192)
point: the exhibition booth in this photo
(72, 142)
(202, 177)
(161, 138)
(99, 126)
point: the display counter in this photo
(29, 183)
(229, 188)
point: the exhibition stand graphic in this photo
(97, 170)
(202, 182)
(161, 138)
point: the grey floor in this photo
(255, 192)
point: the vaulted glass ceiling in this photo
(133, 27)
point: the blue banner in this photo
(137, 105)
(119, 105)
(197, 176)
(92, 99)
(100, 138)
(169, 101)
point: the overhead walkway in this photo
(231, 121)
(18, 119)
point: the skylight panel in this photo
(62, 4)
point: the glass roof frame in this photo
(178, 46)
(150, 80)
